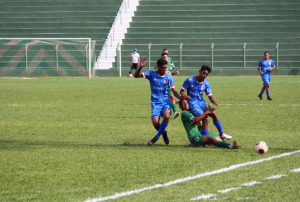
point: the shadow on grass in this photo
(19, 145)
(28, 145)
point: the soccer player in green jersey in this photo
(192, 123)
(170, 59)
(170, 68)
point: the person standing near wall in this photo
(134, 61)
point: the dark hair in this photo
(164, 54)
(164, 49)
(180, 102)
(161, 62)
(266, 52)
(205, 67)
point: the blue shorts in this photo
(197, 107)
(158, 109)
(266, 80)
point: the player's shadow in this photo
(19, 145)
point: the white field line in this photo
(228, 190)
(246, 198)
(296, 170)
(250, 184)
(233, 167)
(207, 196)
(289, 105)
(275, 177)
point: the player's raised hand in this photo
(143, 62)
(184, 97)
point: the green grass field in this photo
(71, 139)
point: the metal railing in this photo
(241, 55)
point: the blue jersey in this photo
(159, 86)
(195, 89)
(264, 65)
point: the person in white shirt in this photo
(134, 61)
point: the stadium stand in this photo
(228, 24)
(55, 19)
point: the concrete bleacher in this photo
(57, 19)
(235, 22)
(61, 19)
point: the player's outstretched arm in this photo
(184, 95)
(212, 99)
(202, 116)
(138, 73)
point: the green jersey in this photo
(193, 132)
(190, 127)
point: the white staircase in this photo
(116, 34)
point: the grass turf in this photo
(68, 139)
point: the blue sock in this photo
(219, 126)
(164, 132)
(262, 92)
(162, 127)
(268, 94)
(205, 132)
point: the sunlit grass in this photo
(68, 139)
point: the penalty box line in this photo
(118, 195)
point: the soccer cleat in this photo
(260, 96)
(166, 139)
(233, 145)
(269, 98)
(224, 136)
(151, 142)
(176, 114)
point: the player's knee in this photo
(206, 108)
(166, 117)
(155, 121)
(207, 140)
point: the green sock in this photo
(173, 106)
(223, 144)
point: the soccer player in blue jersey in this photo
(265, 67)
(195, 86)
(160, 81)
(170, 71)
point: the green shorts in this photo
(198, 138)
(170, 91)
